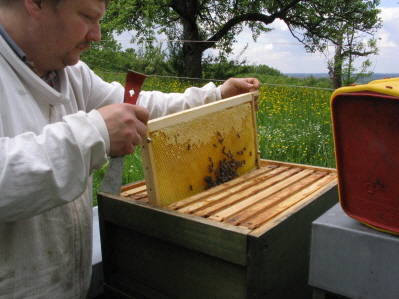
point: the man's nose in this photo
(94, 34)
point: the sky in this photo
(280, 50)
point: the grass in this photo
(293, 125)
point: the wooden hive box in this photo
(247, 238)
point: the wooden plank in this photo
(263, 191)
(132, 185)
(139, 197)
(189, 114)
(209, 237)
(156, 268)
(245, 195)
(265, 162)
(147, 156)
(220, 188)
(306, 178)
(257, 220)
(242, 188)
(324, 196)
(140, 188)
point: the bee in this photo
(189, 146)
(220, 135)
(191, 187)
(238, 135)
(215, 145)
(211, 170)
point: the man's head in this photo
(53, 33)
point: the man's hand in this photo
(236, 86)
(126, 126)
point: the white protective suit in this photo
(50, 143)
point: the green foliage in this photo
(152, 60)
(105, 55)
(221, 68)
(147, 60)
(350, 74)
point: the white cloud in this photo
(385, 40)
(389, 14)
(389, 33)
(279, 25)
(280, 50)
(388, 39)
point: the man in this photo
(58, 122)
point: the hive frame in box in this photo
(154, 252)
(366, 130)
(195, 149)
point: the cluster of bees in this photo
(227, 168)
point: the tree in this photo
(341, 68)
(350, 40)
(215, 24)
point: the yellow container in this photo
(366, 138)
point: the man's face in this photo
(64, 33)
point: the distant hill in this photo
(378, 76)
(304, 75)
(375, 76)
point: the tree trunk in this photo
(335, 70)
(193, 59)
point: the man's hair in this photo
(9, 3)
(6, 3)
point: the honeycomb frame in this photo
(193, 150)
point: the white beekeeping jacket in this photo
(50, 143)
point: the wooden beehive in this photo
(246, 238)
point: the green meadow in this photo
(294, 124)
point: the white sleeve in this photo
(161, 104)
(40, 172)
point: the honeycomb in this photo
(191, 156)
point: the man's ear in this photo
(33, 7)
